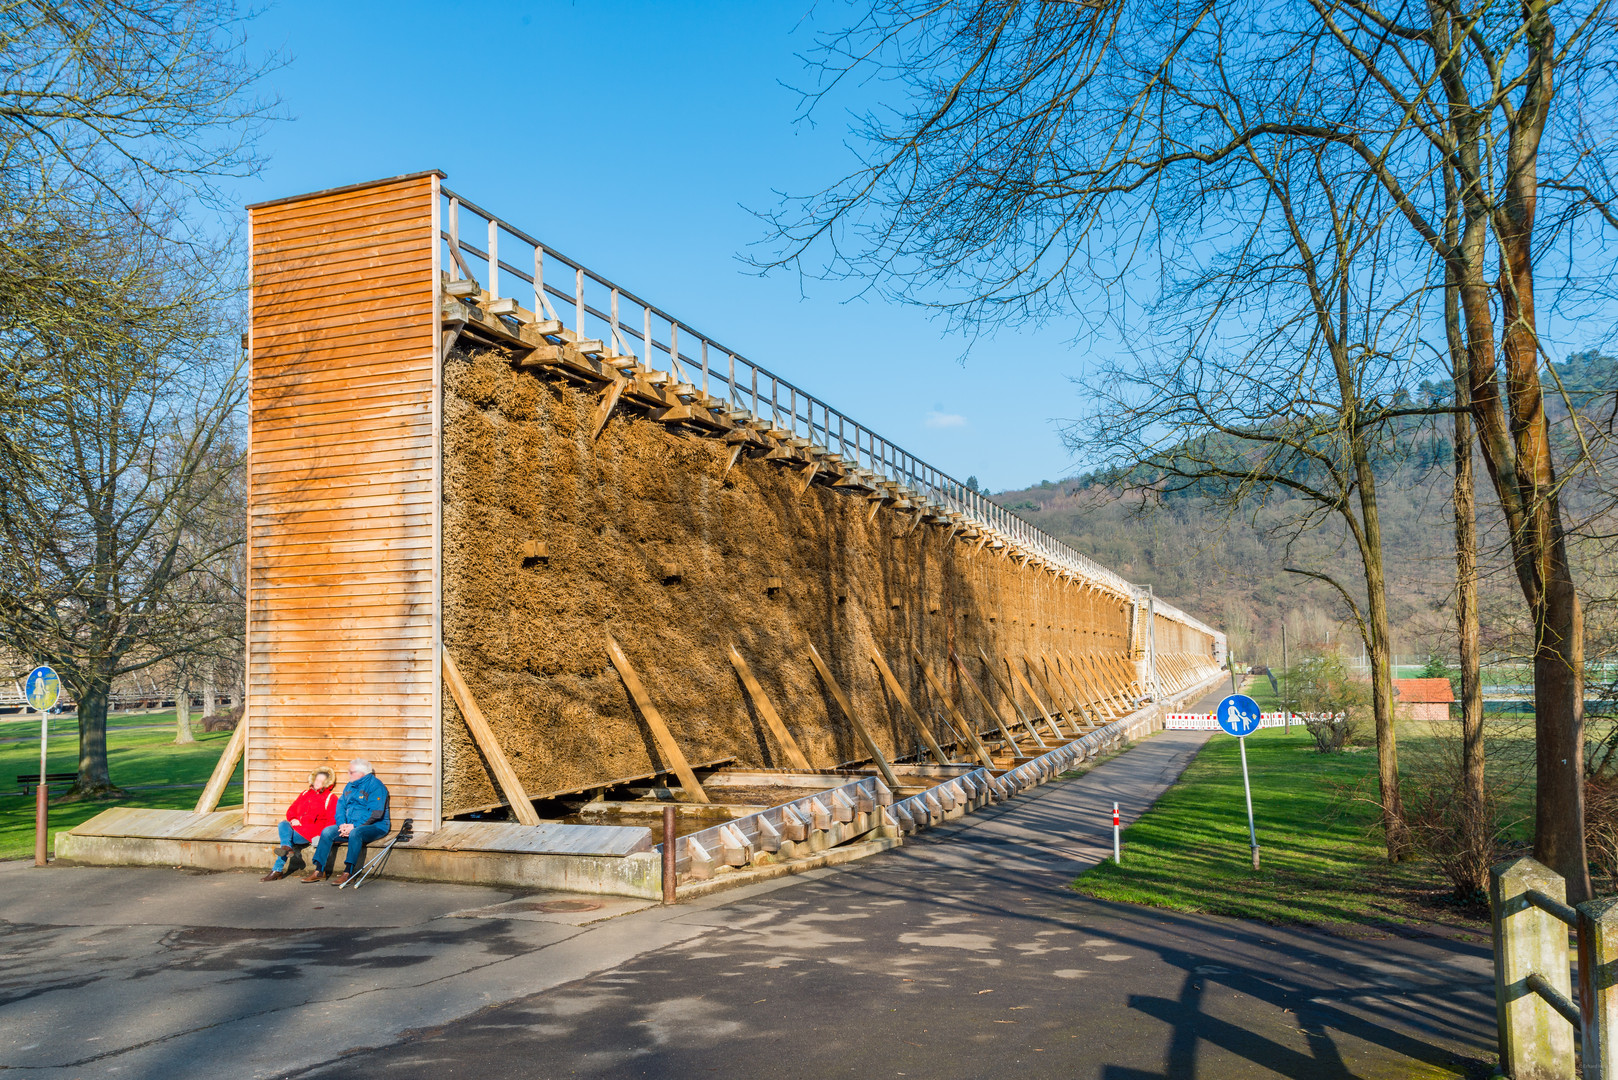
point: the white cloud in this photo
(936, 419)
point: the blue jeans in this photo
(357, 839)
(289, 838)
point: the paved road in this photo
(963, 954)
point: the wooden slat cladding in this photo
(342, 551)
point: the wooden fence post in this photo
(1536, 1043)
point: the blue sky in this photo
(638, 138)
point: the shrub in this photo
(1601, 823)
(1462, 840)
(1332, 701)
(225, 721)
(1331, 733)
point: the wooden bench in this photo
(28, 781)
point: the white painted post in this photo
(1536, 1043)
(1117, 853)
(578, 302)
(494, 260)
(1598, 986)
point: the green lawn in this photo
(136, 759)
(1320, 853)
(28, 726)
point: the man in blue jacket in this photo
(362, 816)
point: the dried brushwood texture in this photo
(519, 466)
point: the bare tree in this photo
(1040, 163)
(118, 387)
(1291, 382)
(121, 499)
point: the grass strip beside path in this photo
(1322, 856)
(135, 758)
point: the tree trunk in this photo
(1464, 494)
(1381, 659)
(1539, 546)
(182, 714)
(94, 778)
(1559, 731)
(210, 703)
(1368, 531)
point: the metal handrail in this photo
(1552, 907)
(631, 326)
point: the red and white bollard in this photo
(1116, 853)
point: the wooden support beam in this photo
(1075, 694)
(214, 790)
(1128, 678)
(1050, 720)
(609, 400)
(1058, 679)
(910, 711)
(1056, 708)
(735, 452)
(789, 745)
(1097, 683)
(966, 676)
(654, 720)
(848, 710)
(483, 735)
(965, 728)
(1074, 710)
(808, 476)
(1011, 696)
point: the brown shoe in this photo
(340, 878)
(311, 877)
(274, 875)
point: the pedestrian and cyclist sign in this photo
(42, 688)
(1238, 715)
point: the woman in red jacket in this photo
(309, 813)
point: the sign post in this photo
(42, 689)
(1117, 855)
(1239, 715)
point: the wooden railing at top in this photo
(596, 309)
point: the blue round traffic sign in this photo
(42, 688)
(1238, 714)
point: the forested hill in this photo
(1231, 570)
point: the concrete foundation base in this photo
(610, 860)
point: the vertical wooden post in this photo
(1536, 1043)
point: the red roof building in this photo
(1426, 699)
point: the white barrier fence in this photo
(1206, 721)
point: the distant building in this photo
(1427, 699)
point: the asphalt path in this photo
(962, 954)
